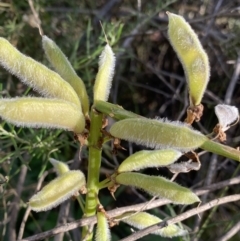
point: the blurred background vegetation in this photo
(149, 80)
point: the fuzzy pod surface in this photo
(61, 64)
(159, 134)
(193, 57)
(105, 73)
(145, 159)
(35, 74)
(102, 231)
(158, 186)
(42, 112)
(143, 220)
(57, 191)
(60, 167)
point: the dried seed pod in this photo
(192, 56)
(158, 186)
(57, 191)
(60, 62)
(60, 167)
(184, 166)
(143, 220)
(105, 73)
(42, 112)
(103, 231)
(226, 115)
(158, 133)
(144, 159)
(36, 75)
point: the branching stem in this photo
(94, 162)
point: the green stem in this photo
(94, 163)
(103, 184)
(114, 111)
(80, 201)
(221, 149)
(9, 134)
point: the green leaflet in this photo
(158, 186)
(57, 191)
(158, 133)
(143, 220)
(60, 167)
(144, 159)
(192, 56)
(42, 112)
(105, 73)
(36, 75)
(103, 231)
(65, 69)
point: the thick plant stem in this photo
(94, 162)
(221, 149)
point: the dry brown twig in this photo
(36, 20)
(183, 216)
(233, 82)
(28, 210)
(235, 229)
(154, 204)
(15, 205)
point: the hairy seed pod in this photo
(57, 191)
(60, 167)
(143, 220)
(145, 159)
(105, 73)
(158, 134)
(42, 112)
(61, 64)
(192, 56)
(158, 186)
(36, 75)
(103, 231)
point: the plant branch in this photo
(221, 149)
(119, 211)
(233, 82)
(94, 163)
(235, 229)
(183, 216)
(28, 210)
(15, 205)
(114, 111)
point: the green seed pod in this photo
(104, 77)
(60, 167)
(42, 112)
(192, 56)
(60, 62)
(143, 220)
(36, 75)
(158, 134)
(103, 231)
(158, 186)
(57, 191)
(144, 159)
